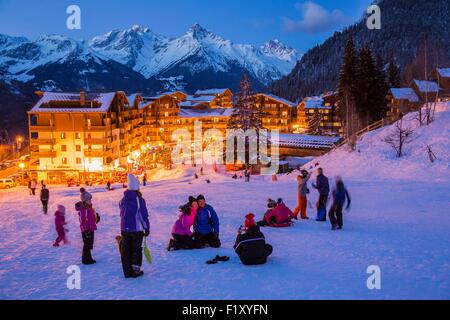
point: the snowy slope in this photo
(399, 227)
(374, 159)
(152, 54)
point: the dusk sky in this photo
(300, 24)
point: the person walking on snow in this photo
(45, 196)
(134, 227)
(181, 230)
(60, 222)
(206, 225)
(251, 245)
(302, 195)
(323, 188)
(340, 194)
(33, 187)
(88, 226)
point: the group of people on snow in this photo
(198, 224)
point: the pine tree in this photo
(347, 89)
(246, 115)
(314, 123)
(382, 89)
(393, 75)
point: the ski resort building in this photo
(319, 114)
(427, 91)
(277, 112)
(222, 98)
(79, 136)
(443, 79)
(401, 101)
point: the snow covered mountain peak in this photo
(278, 49)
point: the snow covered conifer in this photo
(246, 115)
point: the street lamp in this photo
(21, 166)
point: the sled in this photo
(282, 225)
(147, 252)
(118, 240)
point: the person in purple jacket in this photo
(206, 225)
(134, 226)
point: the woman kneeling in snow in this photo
(251, 246)
(278, 215)
(181, 231)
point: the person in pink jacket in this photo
(278, 215)
(182, 235)
(60, 222)
(88, 226)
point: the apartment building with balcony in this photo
(277, 112)
(75, 135)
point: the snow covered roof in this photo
(211, 91)
(192, 113)
(307, 141)
(274, 97)
(404, 94)
(315, 102)
(200, 99)
(444, 72)
(60, 102)
(426, 86)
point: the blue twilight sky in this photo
(298, 23)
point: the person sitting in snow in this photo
(181, 230)
(278, 215)
(340, 194)
(206, 225)
(60, 222)
(88, 226)
(251, 245)
(134, 227)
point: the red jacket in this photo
(280, 214)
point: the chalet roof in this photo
(315, 102)
(59, 102)
(274, 97)
(211, 91)
(404, 94)
(444, 72)
(194, 113)
(426, 86)
(307, 141)
(200, 98)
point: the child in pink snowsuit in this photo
(60, 222)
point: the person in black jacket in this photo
(45, 196)
(251, 245)
(323, 188)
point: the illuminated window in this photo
(63, 148)
(64, 160)
(63, 135)
(78, 148)
(77, 135)
(78, 160)
(89, 123)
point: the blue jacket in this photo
(340, 194)
(206, 220)
(133, 218)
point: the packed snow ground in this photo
(399, 220)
